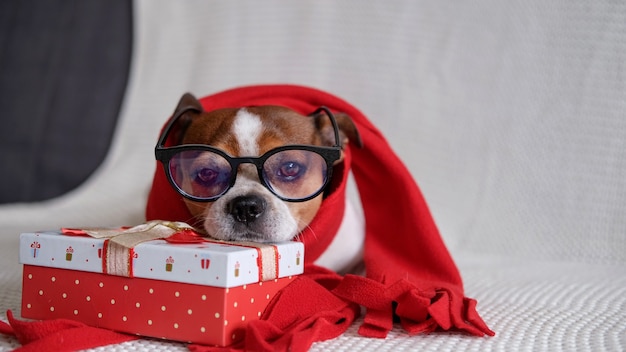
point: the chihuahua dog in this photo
(257, 173)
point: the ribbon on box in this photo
(267, 254)
(267, 257)
(120, 242)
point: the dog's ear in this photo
(348, 132)
(188, 107)
(188, 102)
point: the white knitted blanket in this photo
(511, 116)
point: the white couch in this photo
(510, 115)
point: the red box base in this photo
(175, 311)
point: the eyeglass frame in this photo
(164, 155)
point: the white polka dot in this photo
(151, 291)
(245, 286)
(88, 298)
(53, 279)
(101, 284)
(235, 304)
(258, 314)
(149, 322)
(77, 281)
(52, 309)
(28, 306)
(64, 295)
(30, 276)
(202, 329)
(177, 294)
(189, 311)
(267, 296)
(124, 318)
(225, 322)
(217, 315)
(261, 283)
(125, 287)
(112, 301)
(234, 336)
(204, 297)
(251, 300)
(175, 325)
(75, 311)
(41, 292)
(99, 315)
(163, 308)
(243, 318)
(137, 304)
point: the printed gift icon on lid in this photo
(237, 265)
(34, 247)
(205, 262)
(298, 258)
(68, 253)
(169, 263)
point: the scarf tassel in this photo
(59, 335)
(419, 311)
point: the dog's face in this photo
(249, 211)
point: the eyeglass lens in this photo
(290, 174)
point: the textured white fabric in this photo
(511, 115)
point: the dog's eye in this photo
(291, 171)
(201, 174)
(206, 177)
(211, 175)
(294, 174)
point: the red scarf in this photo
(409, 272)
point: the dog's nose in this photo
(246, 209)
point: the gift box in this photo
(196, 290)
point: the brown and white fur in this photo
(250, 132)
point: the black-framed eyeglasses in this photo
(203, 173)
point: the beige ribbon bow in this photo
(118, 248)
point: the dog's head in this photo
(253, 173)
